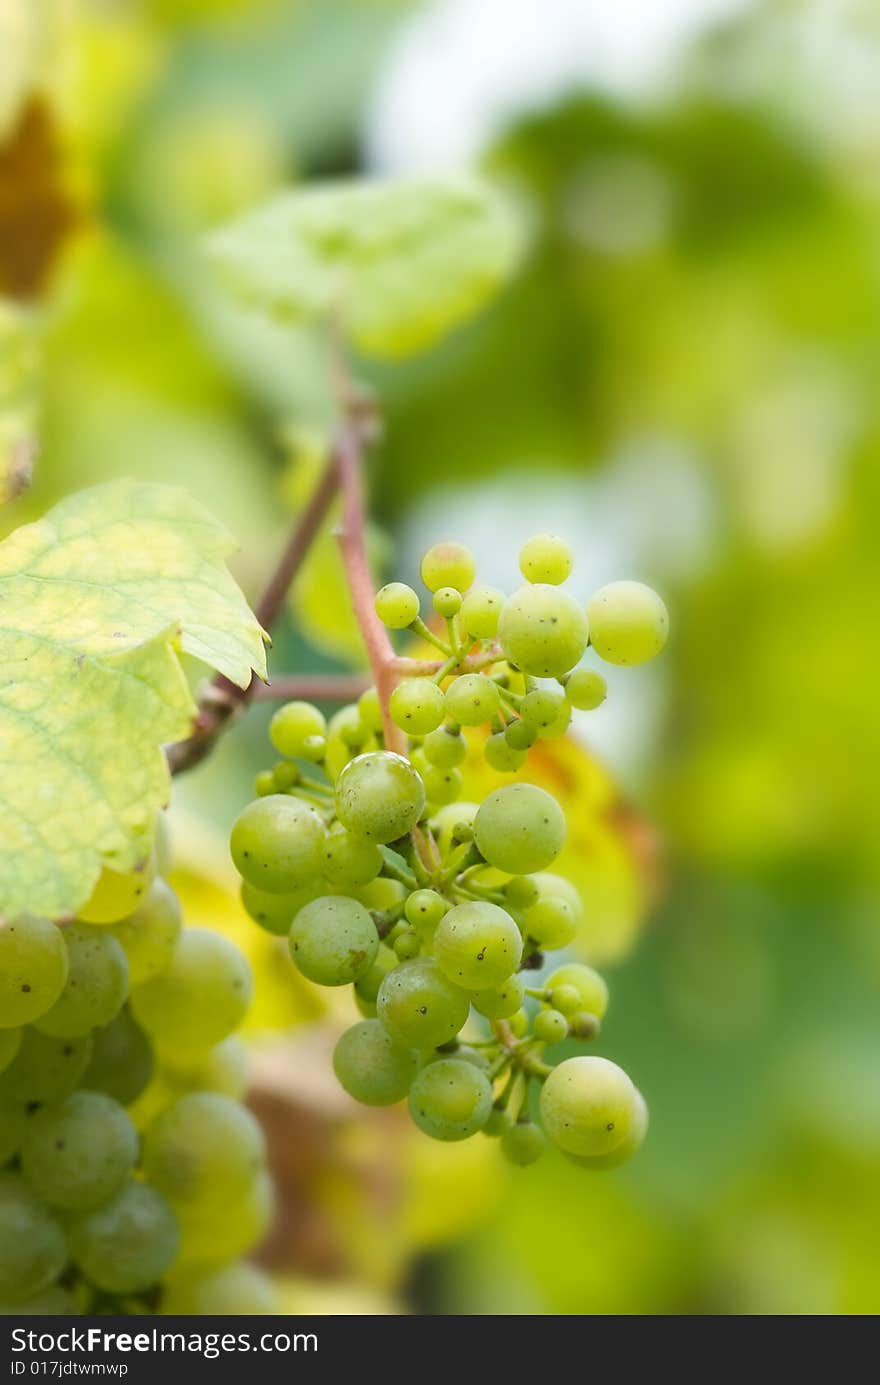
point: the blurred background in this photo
(682, 379)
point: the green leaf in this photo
(97, 599)
(396, 264)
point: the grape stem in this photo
(426, 668)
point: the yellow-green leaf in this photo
(396, 264)
(96, 601)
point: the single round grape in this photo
(45, 1069)
(276, 844)
(629, 623)
(371, 1066)
(200, 999)
(205, 1149)
(285, 775)
(541, 707)
(116, 894)
(237, 1290)
(419, 1006)
(78, 1154)
(520, 735)
(590, 986)
(447, 602)
(367, 985)
(222, 1069)
(523, 1143)
(445, 748)
(588, 1106)
(501, 756)
(550, 1026)
(566, 999)
(53, 1302)
(472, 700)
(379, 796)
(264, 784)
(585, 689)
(381, 893)
(520, 829)
(554, 916)
(584, 1026)
(33, 969)
(397, 605)
(450, 1099)
(477, 945)
(369, 707)
(122, 1060)
(276, 912)
(149, 936)
(126, 1245)
(543, 631)
(453, 823)
(32, 1248)
(292, 725)
(545, 558)
(425, 908)
(349, 861)
(407, 944)
(627, 1147)
(96, 986)
(333, 940)
(481, 612)
(500, 1002)
(314, 749)
(522, 891)
(519, 1024)
(417, 706)
(207, 1239)
(559, 725)
(442, 786)
(10, 1042)
(448, 565)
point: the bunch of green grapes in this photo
(131, 1177)
(437, 911)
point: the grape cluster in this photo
(435, 911)
(131, 1177)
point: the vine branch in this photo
(313, 687)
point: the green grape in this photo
(96, 986)
(543, 631)
(472, 700)
(627, 1147)
(381, 893)
(590, 986)
(379, 796)
(501, 755)
(498, 1122)
(447, 602)
(205, 1149)
(442, 786)
(333, 940)
(416, 706)
(200, 999)
(237, 1290)
(500, 1002)
(284, 776)
(53, 1302)
(117, 895)
(366, 1008)
(585, 689)
(13, 1128)
(584, 1026)
(314, 748)
(450, 1100)
(542, 706)
(545, 558)
(33, 969)
(122, 1060)
(523, 1143)
(629, 623)
(276, 912)
(559, 725)
(552, 919)
(45, 1069)
(522, 891)
(445, 748)
(264, 783)
(78, 1154)
(550, 1026)
(520, 829)
(448, 565)
(371, 1066)
(10, 1042)
(463, 1052)
(419, 1006)
(126, 1245)
(519, 1024)
(566, 999)
(477, 945)
(292, 725)
(520, 735)
(425, 908)
(407, 944)
(397, 605)
(222, 1069)
(447, 821)
(345, 726)
(369, 707)
(32, 1248)
(367, 985)
(207, 1239)
(149, 936)
(588, 1106)
(480, 612)
(350, 861)
(276, 844)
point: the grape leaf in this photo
(396, 264)
(96, 601)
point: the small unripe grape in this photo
(368, 982)
(200, 999)
(379, 796)
(501, 1001)
(314, 748)
(292, 725)
(566, 999)
(552, 919)
(33, 969)
(444, 748)
(542, 707)
(523, 1143)
(371, 1066)
(477, 945)
(589, 1106)
(420, 1006)
(545, 558)
(349, 861)
(550, 1026)
(585, 689)
(501, 756)
(521, 891)
(96, 986)
(276, 912)
(584, 1026)
(333, 940)
(397, 605)
(407, 945)
(481, 611)
(559, 725)
(370, 710)
(78, 1154)
(448, 565)
(543, 631)
(628, 623)
(284, 775)
(117, 894)
(452, 824)
(276, 844)
(472, 700)
(447, 602)
(590, 986)
(520, 735)
(519, 1024)
(417, 706)
(264, 783)
(450, 1100)
(425, 908)
(627, 1147)
(520, 829)
(443, 786)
